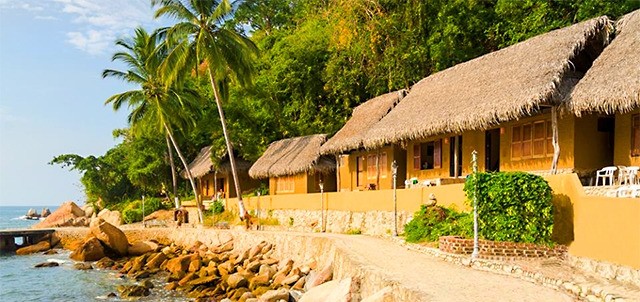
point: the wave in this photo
(25, 217)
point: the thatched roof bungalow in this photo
(612, 87)
(445, 115)
(294, 165)
(365, 169)
(212, 179)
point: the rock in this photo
(32, 213)
(38, 247)
(186, 279)
(127, 291)
(180, 264)
(335, 291)
(147, 284)
(245, 296)
(110, 235)
(267, 270)
(171, 286)
(60, 217)
(45, 212)
(156, 260)
(50, 252)
(90, 250)
(47, 264)
(259, 280)
(112, 295)
(88, 210)
(204, 280)
(316, 278)
(80, 222)
(82, 266)
(195, 264)
(112, 217)
(235, 281)
(290, 280)
(300, 283)
(142, 247)
(104, 263)
(276, 295)
(383, 295)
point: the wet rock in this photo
(110, 235)
(204, 280)
(82, 266)
(188, 277)
(180, 264)
(147, 284)
(127, 291)
(45, 212)
(112, 295)
(47, 264)
(50, 252)
(104, 263)
(155, 260)
(89, 250)
(171, 286)
(35, 248)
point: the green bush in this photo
(217, 207)
(512, 206)
(132, 215)
(430, 223)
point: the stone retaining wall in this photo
(490, 249)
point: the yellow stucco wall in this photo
(593, 148)
(348, 172)
(622, 143)
(566, 125)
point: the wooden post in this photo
(455, 155)
(378, 169)
(556, 145)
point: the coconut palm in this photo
(202, 40)
(154, 100)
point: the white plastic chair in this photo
(631, 174)
(606, 173)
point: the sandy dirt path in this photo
(439, 280)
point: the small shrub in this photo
(131, 215)
(430, 223)
(217, 207)
(290, 221)
(512, 206)
(269, 221)
(353, 232)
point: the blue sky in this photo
(52, 53)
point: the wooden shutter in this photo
(416, 156)
(527, 140)
(539, 139)
(635, 135)
(516, 142)
(437, 154)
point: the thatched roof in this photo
(500, 86)
(364, 116)
(612, 84)
(203, 164)
(292, 156)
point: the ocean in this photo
(20, 281)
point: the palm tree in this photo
(202, 40)
(155, 100)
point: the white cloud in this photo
(103, 21)
(45, 17)
(7, 117)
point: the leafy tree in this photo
(226, 54)
(163, 103)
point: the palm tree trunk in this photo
(186, 167)
(174, 177)
(241, 209)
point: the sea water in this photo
(21, 281)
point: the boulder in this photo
(47, 264)
(383, 295)
(156, 260)
(180, 264)
(90, 250)
(32, 213)
(316, 278)
(127, 291)
(60, 217)
(277, 295)
(236, 280)
(45, 212)
(112, 217)
(110, 235)
(142, 247)
(35, 248)
(335, 291)
(88, 210)
(104, 263)
(82, 266)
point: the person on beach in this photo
(178, 215)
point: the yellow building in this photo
(502, 105)
(212, 182)
(295, 166)
(612, 87)
(360, 169)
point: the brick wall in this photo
(496, 249)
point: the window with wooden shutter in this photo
(516, 142)
(550, 149)
(416, 157)
(527, 140)
(383, 164)
(539, 139)
(635, 135)
(371, 166)
(437, 154)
